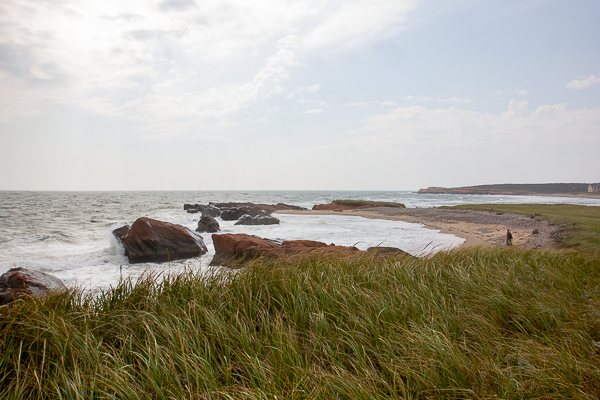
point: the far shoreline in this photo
(478, 228)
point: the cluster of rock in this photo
(236, 249)
(243, 213)
(260, 208)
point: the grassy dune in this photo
(582, 223)
(466, 324)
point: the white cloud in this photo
(520, 92)
(586, 83)
(114, 57)
(310, 89)
(360, 103)
(312, 110)
(353, 23)
(387, 103)
(515, 108)
(451, 144)
(419, 98)
(457, 100)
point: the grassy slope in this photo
(582, 222)
(472, 323)
(541, 188)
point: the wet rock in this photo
(245, 220)
(208, 224)
(212, 211)
(262, 219)
(150, 240)
(20, 282)
(120, 232)
(233, 214)
(265, 219)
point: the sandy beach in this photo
(478, 228)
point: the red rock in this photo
(20, 282)
(335, 206)
(150, 240)
(237, 248)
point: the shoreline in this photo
(478, 228)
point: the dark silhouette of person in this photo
(508, 238)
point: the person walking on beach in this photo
(508, 238)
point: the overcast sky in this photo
(275, 94)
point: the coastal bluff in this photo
(521, 189)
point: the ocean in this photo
(68, 234)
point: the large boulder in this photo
(20, 282)
(150, 240)
(262, 219)
(208, 224)
(235, 249)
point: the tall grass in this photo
(472, 323)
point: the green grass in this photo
(542, 188)
(582, 223)
(467, 324)
(359, 203)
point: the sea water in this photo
(69, 234)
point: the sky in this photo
(297, 95)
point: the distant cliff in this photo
(517, 189)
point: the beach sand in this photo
(478, 228)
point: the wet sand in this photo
(478, 228)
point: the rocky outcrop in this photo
(235, 213)
(256, 208)
(194, 208)
(262, 219)
(235, 249)
(150, 240)
(264, 208)
(341, 205)
(20, 282)
(208, 224)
